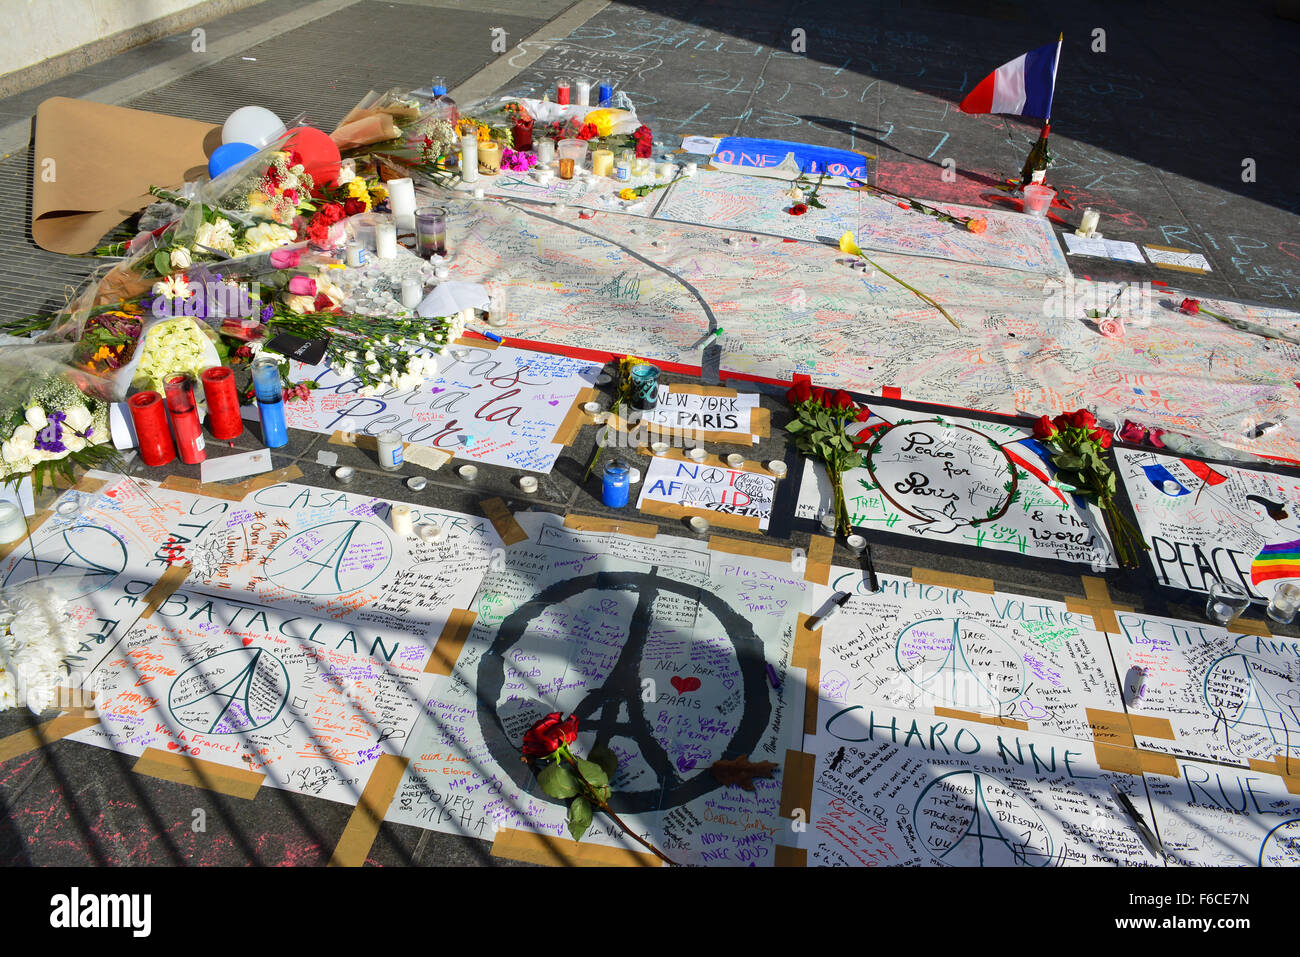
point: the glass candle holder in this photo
(645, 386)
(562, 90)
(13, 525)
(605, 92)
(615, 485)
(566, 167)
(1282, 606)
(431, 231)
(469, 157)
(184, 414)
(224, 420)
(489, 158)
(545, 149)
(391, 449)
(1227, 601)
(152, 435)
(270, 401)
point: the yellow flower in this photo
(627, 194)
(849, 245)
(378, 193)
(357, 188)
(483, 133)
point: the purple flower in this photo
(268, 313)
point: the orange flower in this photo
(977, 225)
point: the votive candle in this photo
(224, 420)
(562, 91)
(152, 435)
(185, 419)
(602, 162)
(385, 240)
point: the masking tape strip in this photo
(807, 644)
(790, 857)
(446, 650)
(503, 520)
(928, 576)
(534, 848)
(33, 523)
(735, 546)
(47, 732)
(197, 773)
(1128, 760)
(231, 493)
(1178, 268)
(363, 826)
(1277, 766)
(590, 523)
(1248, 626)
(739, 523)
(1151, 727)
(797, 783)
(575, 418)
(1103, 616)
(476, 343)
(1111, 727)
(162, 589)
(88, 484)
(981, 718)
(356, 440)
(821, 549)
(1095, 589)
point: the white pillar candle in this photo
(12, 524)
(1091, 219)
(390, 449)
(545, 148)
(469, 158)
(665, 171)
(403, 523)
(401, 199)
(385, 240)
(411, 293)
(582, 91)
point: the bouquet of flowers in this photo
(820, 428)
(48, 425)
(37, 636)
(1078, 446)
(584, 782)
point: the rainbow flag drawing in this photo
(1276, 561)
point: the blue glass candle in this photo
(645, 386)
(270, 402)
(614, 491)
(605, 92)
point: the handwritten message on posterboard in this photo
(126, 531)
(918, 648)
(900, 788)
(724, 495)
(501, 406)
(942, 478)
(1213, 816)
(1213, 693)
(1208, 523)
(309, 703)
(660, 646)
(334, 555)
(722, 414)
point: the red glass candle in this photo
(151, 433)
(185, 419)
(523, 132)
(224, 420)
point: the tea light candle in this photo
(432, 532)
(385, 240)
(699, 525)
(602, 162)
(417, 483)
(401, 200)
(544, 177)
(489, 158)
(411, 293)
(591, 408)
(828, 522)
(582, 91)
(665, 171)
(528, 484)
(442, 273)
(468, 472)
(697, 454)
(735, 460)
(777, 468)
(480, 192)
(600, 418)
(403, 523)
(343, 474)
(689, 169)
(659, 448)
(469, 158)
(857, 544)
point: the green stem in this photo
(912, 289)
(592, 797)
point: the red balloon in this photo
(320, 157)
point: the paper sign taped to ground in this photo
(702, 412)
(697, 488)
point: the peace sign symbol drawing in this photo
(614, 709)
(79, 560)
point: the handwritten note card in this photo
(677, 488)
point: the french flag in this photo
(1021, 87)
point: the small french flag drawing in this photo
(1020, 87)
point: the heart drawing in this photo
(684, 685)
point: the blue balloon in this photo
(228, 155)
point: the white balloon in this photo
(251, 124)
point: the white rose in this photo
(79, 418)
(24, 436)
(9, 453)
(36, 418)
(73, 443)
(180, 258)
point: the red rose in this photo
(330, 213)
(843, 400)
(1044, 428)
(353, 206)
(545, 737)
(819, 395)
(798, 209)
(801, 392)
(1101, 437)
(1081, 419)
(1062, 421)
(1190, 306)
(1132, 432)
(588, 131)
(323, 303)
